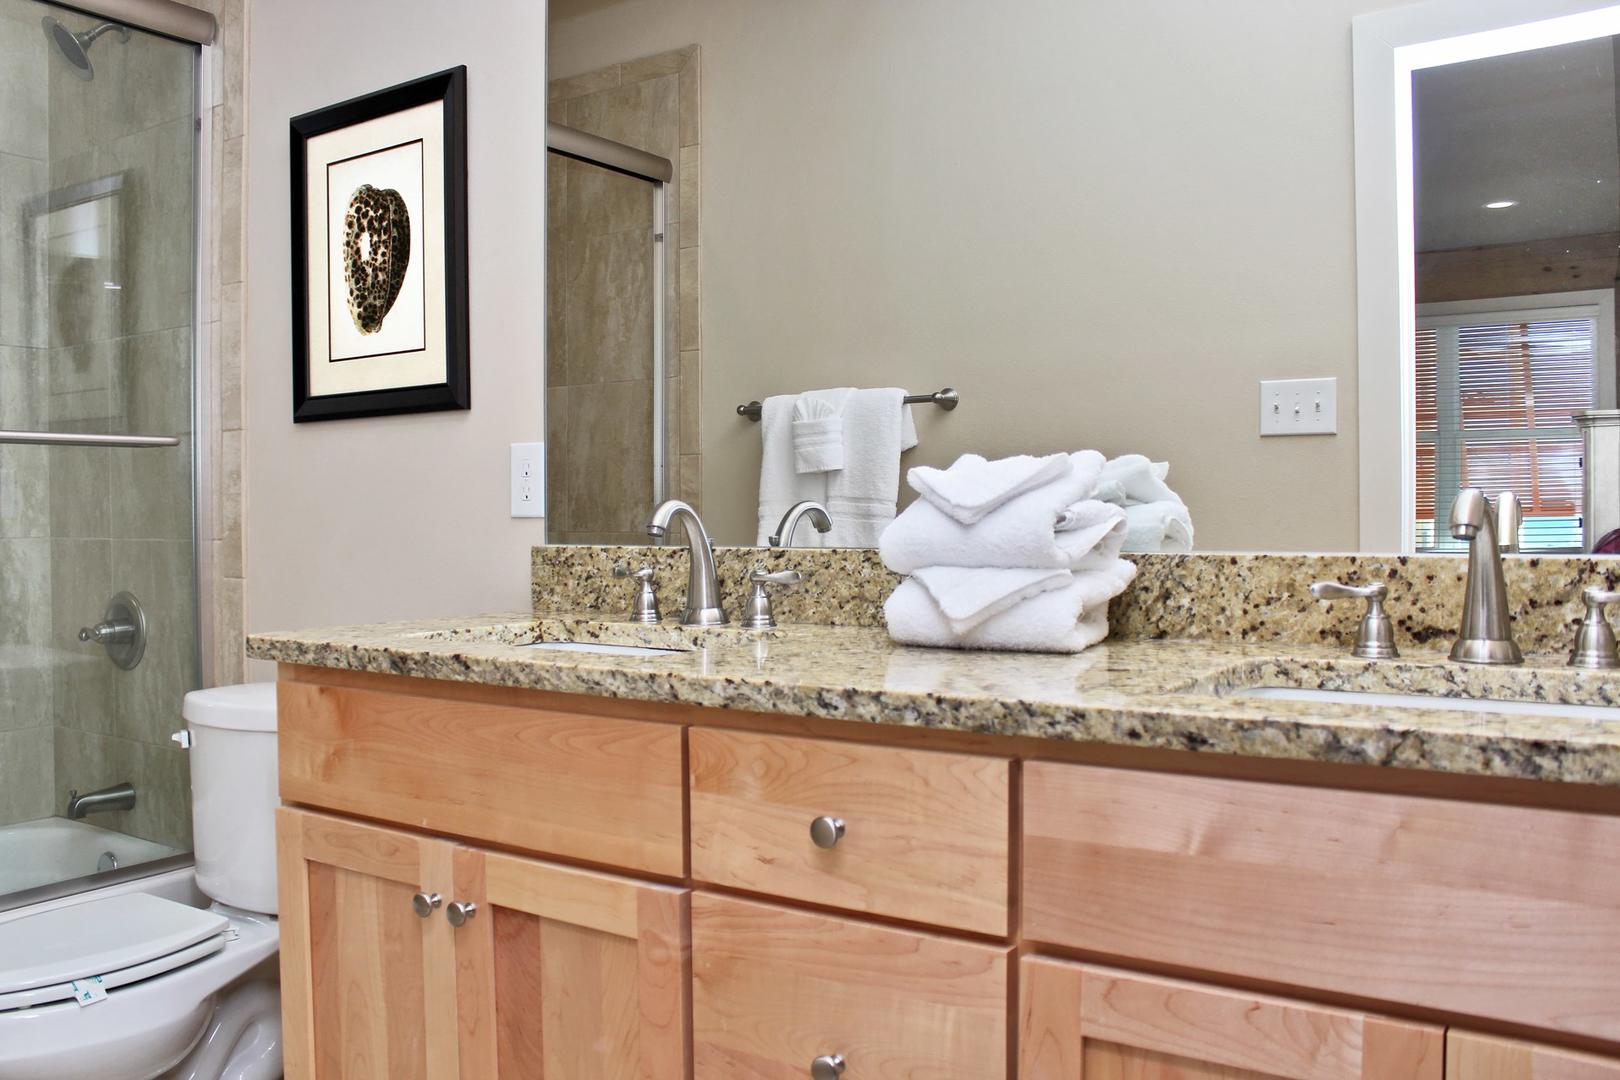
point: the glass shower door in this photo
(98, 594)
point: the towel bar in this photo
(946, 399)
(63, 438)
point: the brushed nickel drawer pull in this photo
(423, 903)
(458, 912)
(826, 831)
(828, 1067)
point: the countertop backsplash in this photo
(1204, 597)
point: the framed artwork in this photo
(379, 252)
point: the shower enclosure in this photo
(98, 578)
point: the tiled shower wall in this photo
(77, 525)
(599, 302)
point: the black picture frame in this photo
(450, 88)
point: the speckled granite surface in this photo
(1201, 597)
(1143, 693)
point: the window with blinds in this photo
(1495, 398)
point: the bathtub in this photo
(54, 849)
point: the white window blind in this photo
(1495, 398)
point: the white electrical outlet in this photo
(528, 479)
(1299, 406)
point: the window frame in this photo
(1596, 304)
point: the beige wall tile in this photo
(690, 284)
(692, 480)
(642, 115)
(85, 761)
(228, 216)
(690, 194)
(608, 309)
(82, 678)
(229, 637)
(29, 759)
(690, 92)
(228, 357)
(147, 699)
(691, 412)
(228, 519)
(608, 483)
(590, 82)
(651, 67)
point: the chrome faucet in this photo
(118, 797)
(1486, 636)
(702, 582)
(797, 512)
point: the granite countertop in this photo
(1166, 694)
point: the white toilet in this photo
(185, 993)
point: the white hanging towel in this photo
(861, 497)
(780, 485)
(1065, 620)
(818, 430)
(1021, 533)
(972, 487)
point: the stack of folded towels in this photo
(1155, 517)
(1020, 553)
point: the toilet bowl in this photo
(135, 986)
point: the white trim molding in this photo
(1388, 47)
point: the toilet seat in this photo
(123, 939)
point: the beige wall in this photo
(361, 520)
(1103, 222)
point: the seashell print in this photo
(376, 251)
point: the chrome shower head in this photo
(75, 48)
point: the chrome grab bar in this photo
(66, 438)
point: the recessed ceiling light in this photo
(1501, 204)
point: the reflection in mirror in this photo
(1517, 193)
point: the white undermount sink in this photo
(1433, 701)
(604, 650)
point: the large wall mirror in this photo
(1103, 226)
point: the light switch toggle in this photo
(1299, 406)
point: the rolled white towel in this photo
(1065, 620)
(1158, 526)
(1019, 534)
(818, 430)
(1132, 478)
(972, 487)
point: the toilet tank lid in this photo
(246, 707)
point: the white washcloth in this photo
(1019, 534)
(780, 486)
(1064, 620)
(818, 430)
(972, 487)
(878, 428)
(1132, 478)
(1096, 528)
(1158, 526)
(967, 596)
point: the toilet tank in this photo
(233, 793)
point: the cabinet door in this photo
(565, 974)
(367, 986)
(1486, 1057)
(1081, 1021)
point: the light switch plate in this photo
(528, 479)
(1299, 406)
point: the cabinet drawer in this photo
(1383, 897)
(585, 787)
(773, 989)
(925, 834)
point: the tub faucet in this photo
(117, 797)
(1486, 635)
(702, 582)
(809, 508)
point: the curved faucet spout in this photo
(1486, 635)
(809, 508)
(702, 581)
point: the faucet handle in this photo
(1509, 518)
(1375, 637)
(644, 608)
(1594, 641)
(757, 614)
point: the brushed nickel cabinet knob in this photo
(826, 831)
(423, 903)
(458, 912)
(828, 1067)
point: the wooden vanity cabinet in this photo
(1486, 1057)
(1082, 1022)
(555, 973)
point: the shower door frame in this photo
(658, 171)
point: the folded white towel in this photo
(1132, 478)
(1019, 534)
(1096, 528)
(780, 486)
(878, 428)
(1158, 526)
(967, 596)
(818, 430)
(1063, 620)
(972, 487)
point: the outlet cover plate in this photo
(1299, 406)
(528, 480)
